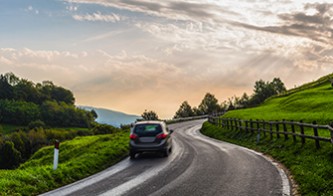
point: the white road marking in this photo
(129, 185)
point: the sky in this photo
(132, 56)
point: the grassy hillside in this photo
(78, 158)
(313, 101)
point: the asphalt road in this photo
(198, 165)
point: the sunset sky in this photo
(134, 55)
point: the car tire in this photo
(166, 152)
(132, 155)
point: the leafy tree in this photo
(278, 86)
(23, 102)
(25, 90)
(18, 112)
(197, 111)
(241, 102)
(209, 104)
(94, 114)
(149, 115)
(185, 110)
(263, 90)
(6, 90)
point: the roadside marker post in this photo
(56, 154)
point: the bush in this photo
(36, 124)
(37, 138)
(104, 129)
(10, 157)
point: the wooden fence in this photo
(279, 129)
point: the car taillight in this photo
(162, 136)
(133, 136)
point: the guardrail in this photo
(176, 120)
(285, 128)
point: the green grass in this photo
(7, 129)
(78, 158)
(312, 104)
(311, 168)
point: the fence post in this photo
(331, 136)
(258, 126)
(251, 126)
(293, 130)
(240, 124)
(258, 131)
(271, 130)
(315, 133)
(277, 129)
(264, 127)
(285, 130)
(236, 124)
(302, 132)
(246, 126)
(56, 154)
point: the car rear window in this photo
(147, 129)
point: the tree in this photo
(149, 115)
(6, 90)
(94, 114)
(242, 102)
(263, 90)
(209, 104)
(185, 110)
(197, 111)
(278, 86)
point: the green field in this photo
(313, 104)
(78, 158)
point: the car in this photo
(150, 136)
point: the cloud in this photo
(32, 10)
(99, 17)
(174, 10)
(316, 26)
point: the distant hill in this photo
(111, 117)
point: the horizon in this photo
(132, 56)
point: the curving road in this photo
(198, 166)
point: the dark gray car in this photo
(147, 136)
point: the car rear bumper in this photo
(149, 146)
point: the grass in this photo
(311, 168)
(78, 158)
(6, 129)
(312, 104)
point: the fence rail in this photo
(277, 128)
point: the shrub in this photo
(104, 129)
(36, 124)
(37, 138)
(10, 157)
